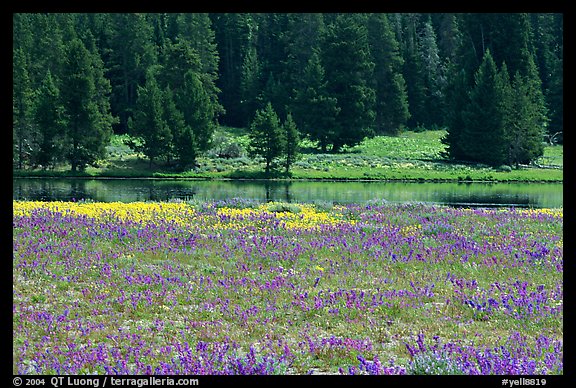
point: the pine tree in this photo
(315, 111)
(301, 40)
(183, 146)
(233, 33)
(391, 98)
(457, 99)
(88, 129)
(548, 44)
(48, 47)
(349, 69)
(198, 112)
(525, 129)
(413, 70)
(196, 29)
(149, 125)
(49, 118)
(105, 120)
(555, 97)
(483, 136)
(266, 137)
(292, 142)
(432, 75)
(132, 53)
(251, 83)
(21, 109)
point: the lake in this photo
(528, 195)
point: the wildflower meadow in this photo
(239, 287)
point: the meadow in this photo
(238, 287)
(410, 156)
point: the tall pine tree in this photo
(315, 111)
(132, 53)
(349, 69)
(292, 140)
(149, 125)
(49, 118)
(391, 98)
(266, 137)
(198, 112)
(483, 135)
(22, 105)
(89, 124)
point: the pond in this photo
(528, 195)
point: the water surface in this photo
(533, 195)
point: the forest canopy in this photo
(493, 81)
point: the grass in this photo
(411, 156)
(249, 288)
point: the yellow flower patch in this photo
(306, 218)
(144, 212)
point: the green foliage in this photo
(197, 109)
(342, 76)
(85, 102)
(131, 52)
(266, 137)
(292, 140)
(391, 108)
(349, 69)
(21, 109)
(149, 123)
(483, 136)
(49, 117)
(315, 110)
(284, 207)
(251, 82)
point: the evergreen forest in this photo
(493, 81)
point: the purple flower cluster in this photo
(216, 295)
(515, 357)
(374, 367)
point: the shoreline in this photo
(367, 180)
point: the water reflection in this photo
(130, 190)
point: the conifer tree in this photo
(457, 98)
(232, 32)
(250, 83)
(483, 135)
(292, 142)
(315, 111)
(525, 130)
(349, 69)
(132, 53)
(149, 124)
(196, 29)
(89, 129)
(432, 75)
(266, 137)
(198, 112)
(408, 26)
(49, 119)
(301, 40)
(184, 151)
(21, 109)
(391, 98)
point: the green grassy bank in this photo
(411, 156)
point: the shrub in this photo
(277, 207)
(321, 205)
(430, 363)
